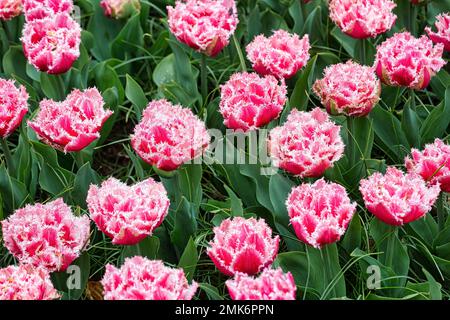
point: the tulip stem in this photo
(412, 95)
(79, 160)
(241, 56)
(8, 157)
(204, 78)
(441, 210)
(327, 259)
(351, 140)
(391, 237)
(363, 52)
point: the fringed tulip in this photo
(320, 212)
(46, 235)
(120, 9)
(143, 279)
(243, 245)
(128, 214)
(403, 60)
(442, 34)
(363, 18)
(169, 135)
(307, 144)
(51, 44)
(71, 125)
(25, 282)
(13, 106)
(10, 9)
(432, 164)
(270, 285)
(204, 25)
(249, 101)
(39, 9)
(280, 55)
(397, 198)
(349, 89)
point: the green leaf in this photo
(411, 124)
(53, 86)
(136, 95)
(300, 94)
(236, 203)
(435, 125)
(210, 290)
(82, 182)
(189, 259)
(185, 225)
(352, 237)
(148, 248)
(13, 192)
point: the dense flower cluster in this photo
(143, 279)
(46, 235)
(51, 44)
(169, 135)
(349, 89)
(120, 8)
(204, 25)
(307, 144)
(397, 198)
(442, 34)
(128, 214)
(432, 164)
(280, 55)
(404, 60)
(249, 101)
(272, 284)
(39, 9)
(363, 18)
(72, 124)
(13, 106)
(25, 282)
(10, 9)
(320, 212)
(243, 245)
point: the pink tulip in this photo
(143, 279)
(128, 214)
(10, 9)
(397, 198)
(363, 18)
(204, 25)
(169, 135)
(349, 89)
(249, 101)
(403, 60)
(25, 282)
(280, 55)
(46, 235)
(442, 35)
(73, 124)
(119, 9)
(51, 44)
(307, 144)
(243, 245)
(320, 212)
(39, 9)
(13, 106)
(270, 285)
(432, 164)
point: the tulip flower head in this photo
(307, 144)
(73, 124)
(280, 55)
(349, 89)
(51, 44)
(363, 18)
(143, 279)
(249, 101)
(10, 9)
(403, 60)
(25, 282)
(128, 214)
(39, 9)
(397, 198)
(169, 135)
(204, 25)
(432, 164)
(320, 212)
(46, 235)
(13, 106)
(119, 9)
(243, 245)
(442, 34)
(272, 284)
